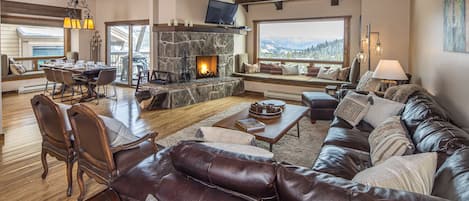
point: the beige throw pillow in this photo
(328, 73)
(63, 109)
(353, 108)
(251, 68)
(343, 74)
(382, 109)
(290, 69)
(118, 133)
(368, 83)
(389, 139)
(413, 173)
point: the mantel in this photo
(197, 28)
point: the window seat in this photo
(25, 76)
(296, 80)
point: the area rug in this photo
(301, 151)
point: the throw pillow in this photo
(414, 173)
(118, 133)
(241, 149)
(215, 134)
(313, 71)
(368, 83)
(63, 109)
(353, 108)
(290, 69)
(389, 139)
(343, 74)
(17, 69)
(251, 68)
(381, 109)
(328, 73)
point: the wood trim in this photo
(289, 82)
(197, 28)
(128, 22)
(7, 19)
(36, 58)
(13, 7)
(300, 61)
(67, 40)
(347, 30)
(256, 43)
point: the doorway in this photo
(128, 49)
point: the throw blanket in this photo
(402, 93)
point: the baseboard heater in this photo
(32, 88)
(282, 95)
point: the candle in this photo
(191, 24)
(176, 22)
(186, 23)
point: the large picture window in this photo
(322, 39)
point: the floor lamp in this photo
(367, 42)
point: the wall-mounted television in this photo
(219, 12)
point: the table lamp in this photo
(389, 71)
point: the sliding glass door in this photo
(128, 50)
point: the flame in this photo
(204, 69)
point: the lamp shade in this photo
(67, 23)
(389, 70)
(88, 23)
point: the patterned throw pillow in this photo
(353, 108)
(17, 69)
(413, 173)
(368, 83)
(251, 68)
(328, 73)
(343, 74)
(389, 139)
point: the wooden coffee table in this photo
(275, 129)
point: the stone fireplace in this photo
(178, 53)
(206, 67)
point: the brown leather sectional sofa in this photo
(192, 171)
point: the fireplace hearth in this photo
(207, 67)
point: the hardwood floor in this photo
(20, 161)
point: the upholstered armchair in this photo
(96, 157)
(353, 79)
(56, 140)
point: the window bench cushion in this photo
(24, 76)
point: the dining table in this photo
(87, 74)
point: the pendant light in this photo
(72, 21)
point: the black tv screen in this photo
(219, 12)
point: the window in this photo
(23, 42)
(305, 40)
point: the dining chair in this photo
(58, 77)
(56, 140)
(49, 79)
(96, 157)
(105, 78)
(71, 82)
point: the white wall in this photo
(1, 102)
(392, 19)
(444, 74)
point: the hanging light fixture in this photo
(73, 21)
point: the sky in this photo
(303, 30)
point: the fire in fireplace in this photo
(207, 66)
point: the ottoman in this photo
(322, 105)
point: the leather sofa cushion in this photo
(362, 126)
(439, 136)
(240, 173)
(127, 159)
(350, 138)
(420, 108)
(141, 180)
(176, 187)
(299, 184)
(341, 162)
(451, 179)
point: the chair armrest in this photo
(151, 136)
(348, 86)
